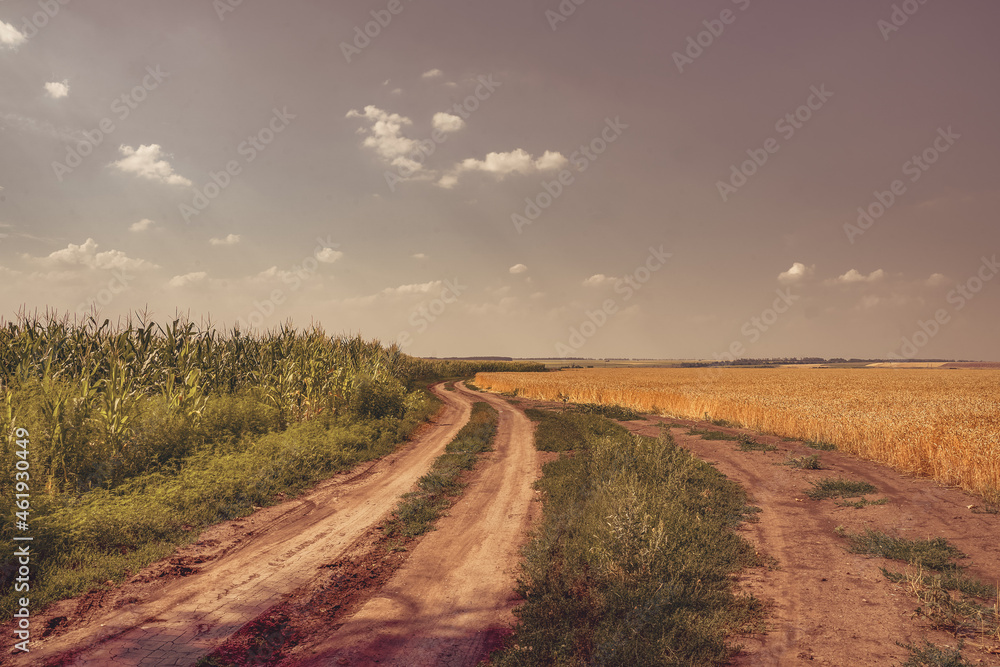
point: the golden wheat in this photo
(944, 424)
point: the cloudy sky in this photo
(528, 178)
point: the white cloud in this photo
(796, 273)
(329, 255)
(446, 122)
(86, 255)
(599, 280)
(386, 136)
(519, 161)
(432, 74)
(188, 279)
(518, 268)
(147, 162)
(854, 276)
(57, 89)
(231, 239)
(141, 226)
(418, 289)
(10, 36)
(419, 255)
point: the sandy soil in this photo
(179, 609)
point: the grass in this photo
(831, 487)
(821, 446)
(708, 434)
(437, 489)
(610, 411)
(931, 655)
(634, 560)
(934, 554)
(810, 462)
(561, 432)
(864, 502)
(748, 444)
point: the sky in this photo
(533, 178)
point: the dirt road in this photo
(452, 599)
(832, 607)
(239, 569)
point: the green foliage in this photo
(931, 655)
(933, 554)
(706, 434)
(830, 487)
(821, 446)
(610, 411)
(560, 432)
(748, 444)
(633, 562)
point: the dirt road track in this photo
(274, 551)
(452, 600)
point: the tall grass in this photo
(634, 560)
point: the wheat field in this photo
(943, 424)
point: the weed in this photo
(933, 554)
(864, 502)
(810, 462)
(830, 487)
(610, 411)
(930, 655)
(748, 444)
(707, 434)
(821, 446)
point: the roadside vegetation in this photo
(634, 559)
(141, 433)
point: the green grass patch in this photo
(610, 411)
(721, 422)
(810, 462)
(821, 446)
(748, 444)
(436, 490)
(931, 655)
(934, 554)
(565, 431)
(708, 434)
(949, 580)
(831, 487)
(861, 504)
(634, 560)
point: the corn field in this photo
(943, 424)
(81, 387)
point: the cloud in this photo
(57, 89)
(141, 226)
(419, 255)
(147, 162)
(502, 164)
(329, 255)
(86, 255)
(798, 272)
(188, 279)
(232, 239)
(386, 136)
(418, 289)
(518, 268)
(10, 36)
(432, 74)
(936, 280)
(599, 280)
(446, 122)
(853, 276)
